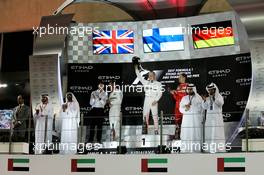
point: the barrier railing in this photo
(200, 132)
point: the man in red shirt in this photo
(178, 94)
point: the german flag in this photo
(18, 165)
(154, 165)
(82, 165)
(213, 34)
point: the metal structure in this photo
(148, 9)
(250, 12)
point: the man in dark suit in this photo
(20, 118)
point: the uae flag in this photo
(231, 164)
(154, 165)
(213, 34)
(18, 164)
(82, 165)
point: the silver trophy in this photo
(135, 61)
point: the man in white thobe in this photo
(70, 118)
(115, 100)
(214, 124)
(191, 130)
(43, 117)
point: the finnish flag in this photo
(163, 39)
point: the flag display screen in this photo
(113, 42)
(213, 34)
(5, 118)
(167, 47)
(163, 39)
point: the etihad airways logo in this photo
(81, 68)
(243, 59)
(225, 93)
(241, 104)
(219, 73)
(243, 81)
(133, 108)
(109, 77)
(90, 67)
(86, 109)
(227, 115)
(84, 88)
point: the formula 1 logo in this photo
(145, 74)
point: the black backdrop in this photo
(232, 74)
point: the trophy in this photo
(135, 61)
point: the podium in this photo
(255, 138)
(16, 148)
(144, 141)
(132, 137)
(113, 144)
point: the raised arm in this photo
(92, 99)
(219, 101)
(141, 79)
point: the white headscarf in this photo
(211, 86)
(46, 95)
(39, 104)
(75, 103)
(193, 87)
(74, 100)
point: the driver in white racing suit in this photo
(153, 93)
(115, 100)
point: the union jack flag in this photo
(113, 42)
